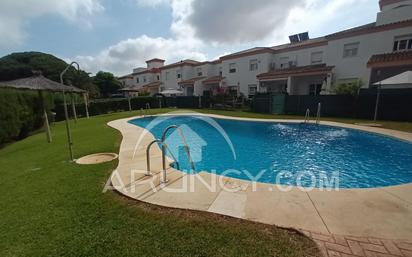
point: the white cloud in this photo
(131, 53)
(238, 21)
(152, 3)
(15, 14)
(217, 26)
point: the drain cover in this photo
(97, 158)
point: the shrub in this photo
(349, 88)
(20, 113)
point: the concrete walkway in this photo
(381, 214)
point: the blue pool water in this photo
(286, 153)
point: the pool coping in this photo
(373, 212)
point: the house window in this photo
(137, 80)
(350, 50)
(284, 62)
(167, 75)
(144, 79)
(158, 77)
(402, 43)
(252, 89)
(199, 72)
(232, 68)
(253, 65)
(316, 57)
(220, 71)
(178, 74)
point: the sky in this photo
(119, 35)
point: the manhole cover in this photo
(97, 158)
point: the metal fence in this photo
(394, 104)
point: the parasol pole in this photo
(74, 107)
(66, 115)
(86, 104)
(45, 118)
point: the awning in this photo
(152, 85)
(190, 81)
(130, 89)
(171, 92)
(310, 70)
(399, 81)
(213, 80)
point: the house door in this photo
(190, 91)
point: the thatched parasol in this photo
(40, 83)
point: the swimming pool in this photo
(287, 153)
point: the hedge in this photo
(20, 113)
(105, 106)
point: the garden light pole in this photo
(66, 115)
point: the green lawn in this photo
(51, 207)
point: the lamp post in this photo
(66, 115)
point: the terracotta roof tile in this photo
(296, 71)
(390, 59)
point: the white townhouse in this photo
(370, 52)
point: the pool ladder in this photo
(165, 148)
(318, 113)
(144, 111)
(307, 115)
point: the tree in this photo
(22, 65)
(349, 88)
(107, 83)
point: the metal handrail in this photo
(164, 148)
(183, 138)
(307, 115)
(318, 113)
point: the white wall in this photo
(171, 81)
(370, 44)
(243, 75)
(154, 64)
(395, 12)
(302, 56)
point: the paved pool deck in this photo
(348, 222)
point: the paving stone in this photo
(322, 237)
(338, 248)
(391, 247)
(334, 254)
(406, 253)
(356, 248)
(356, 238)
(340, 240)
(404, 245)
(374, 248)
(375, 241)
(321, 247)
(371, 254)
